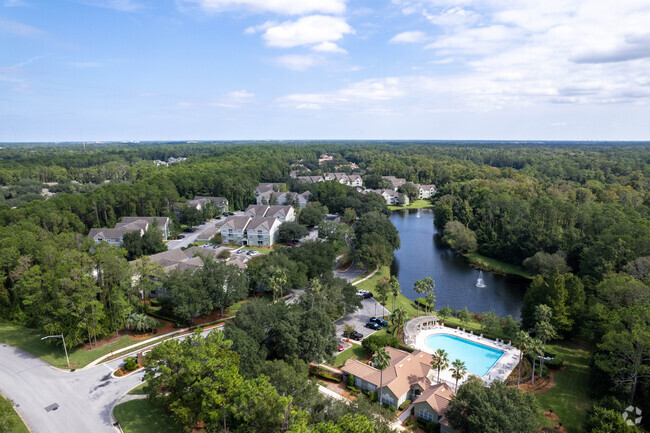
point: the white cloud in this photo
(328, 47)
(14, 3)
(313, 29)
(286, 7)
(235, 99)
(409, 37)
(117, 5)
(297, 62)
(254, 29)
(20, 29)
(455, 16)
(308, 107)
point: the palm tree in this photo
(534, 349)
(439, 361)
(395, 288)
(431, 299)
(523, 342)
(423, 286)
(382, 361)
(458, 371)
(544, 330)
(277, 281)
(398, 317)
(314, 287)
(348, 330)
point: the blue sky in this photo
(330, 69)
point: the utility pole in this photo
(64, 347)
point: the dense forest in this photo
(577, 216)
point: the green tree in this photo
(383, 290)
(459, 237)
(313, 214)
(524, 343)
(398, 317)
(493, 409)
(277, 281)
(423, 286)
(458, 370)
(290, 230)
(395, 289)
(544, 330)
(382, 361)
(439, 361)
(491, 323)
(410, 190)
(464, 315)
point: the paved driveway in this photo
(358, 319)
(190, 237)
(351, 274)
(84, 399)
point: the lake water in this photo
(422, 255)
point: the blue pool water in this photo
(478, 359)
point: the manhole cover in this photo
(51, 407)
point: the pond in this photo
(422, 255)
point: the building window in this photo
(424, 414)
(387, 399)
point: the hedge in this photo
(404, 405)
(555, 363)
(327, 377)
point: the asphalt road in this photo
(190, 237)
(358, 319)
(84, 399)
(351, 274)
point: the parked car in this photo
(231, 213)
(189, 230)
(290, 244)
(373, 325)
(364, 294)
(214, 247)
(354, 335)
(379, 320)
(252, 253)
(239, 251)
(341, 348)
(180, 237)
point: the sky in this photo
(99, 70)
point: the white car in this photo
(239, 251)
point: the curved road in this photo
(59, 401)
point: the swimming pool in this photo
(478, 358)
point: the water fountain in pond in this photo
(418, 214)
(479, 282)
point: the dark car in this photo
(290, 244)
(373, 325)
(379, 321)
(190, 230)
(355, 336)
(231, 213)
(180, 237)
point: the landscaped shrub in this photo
(350, 380)
(130, 365)
(404, 405)
(375, 341)
(554, 363)
(327, 377)
(372, 395)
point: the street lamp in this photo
(64, 348)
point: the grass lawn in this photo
(138, 390)
(20, 425)
(401, 301)
(263, 250)
(30, 341)
(568, 398)
(356, 352)
(494, 265)
(417, 204)
(139, 416)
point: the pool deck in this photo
(426, 326)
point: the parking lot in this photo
(358, 319)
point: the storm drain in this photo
(51, 407)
